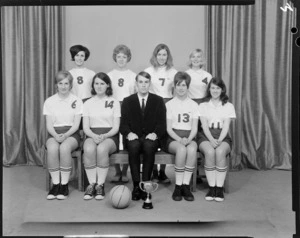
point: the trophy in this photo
(149, 187)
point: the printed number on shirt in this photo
(110, 104)
(80, 80)
(74, 104)
(205, 81)
(163, 81)
(121, 82)
(185, 117)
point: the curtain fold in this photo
(250, 47)
(32, 54)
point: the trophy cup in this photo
(149, 187)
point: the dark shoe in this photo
(162, 177)
(63, 192)
(136, 193)
(100, 193)
(53, 192)
(219, 194)
(89, 192)
(186, 192)
(155, 176)
(211, 194)
(177, 196)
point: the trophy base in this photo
(147, 205)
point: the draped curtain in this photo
(32, 46)
(250, 47)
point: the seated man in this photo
(143, 123)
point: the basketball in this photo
(120, 196)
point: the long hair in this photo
(153, 59)
(106, 79)
(220, 83)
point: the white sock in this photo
(55, 175)
(220, 176)
(179, 172)
(188, 171)
(102, 173)
(65, 174)
(91, 173)
(210, 173)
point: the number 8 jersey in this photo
(182, 113)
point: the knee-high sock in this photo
(55, 175)
(220, 176)
(179, 172)
(101, 174)
(91, 173)
(210, 173)
(65, 174)
(188, 171)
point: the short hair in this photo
(143, 74)
(61, 75)
(122, 49)
(106, 79)
(158, 48)
(180, 77)
(77, 48)
(220, 83)
(203, 62)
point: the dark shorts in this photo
(99, 131)
(180, 133)
(215, 134)
(64, 129)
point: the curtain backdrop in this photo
(32, 46)
(250, 47)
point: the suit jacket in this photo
(154, 119)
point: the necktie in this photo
(143, 105)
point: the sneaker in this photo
(186, 192)
(211, 194)
(99, 192)
(53, 192)
(155, 176)
(219, 194)
(63, 192)
(89, 192)
(177, 196)
(163, 177)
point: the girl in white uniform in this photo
(214, 141)
(63, 113)
(162, 82)
(182, 122)
(199, 77)
(101, 121)
(123, 85)
(82, 75)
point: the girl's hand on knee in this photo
(214, 143)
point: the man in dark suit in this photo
(143, 124)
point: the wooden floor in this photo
(258, 205)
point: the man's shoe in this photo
(136, 193)
(177, 196)
(117, 178)
(211, 194)
(219, 194)
(162, 177)
(89, 192)
(63, 192)
(155, 176)
(100, 193)
(186, 192)
(53, 192)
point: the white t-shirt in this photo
(123, 83)
(199, 81)
(102, 112)
(82, 82)
(63, 111)
(216, 114)
(162, 81)
(182, 113)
